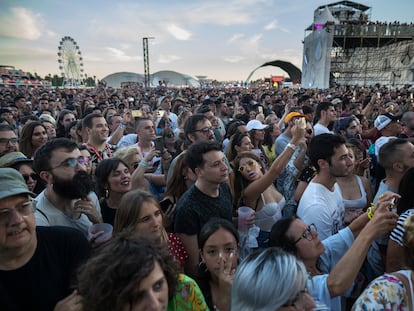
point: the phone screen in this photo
(159, 144)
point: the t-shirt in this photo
(321, 129)
(397, 234)
(322, 207)
(49, 276)
(195, 208)
(108, 214)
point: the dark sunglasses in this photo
(169, 135)
(309, 131)
(33, 176)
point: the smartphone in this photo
(165, 204)
(136, 113)
(161, 113)
(260, 109)
(159, 143)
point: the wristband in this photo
(370, 211)
(291, 146)
(143, 163)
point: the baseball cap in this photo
(255, 125)
(336, 101)
(384, 119)
(292, 115)
(12, 183)
(12, 158)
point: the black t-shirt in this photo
(108, 214)
(50, 274)
(195, 208)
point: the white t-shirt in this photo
(321, 129)
(322, 207)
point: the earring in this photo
(106, 193)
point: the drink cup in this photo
(243, 213)
(101, 232)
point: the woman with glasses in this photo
(114, 180)
(334, 263)
(271, 280)
(219, 250)
(254, 187)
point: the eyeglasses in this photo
(169, 135)
(250, 164)
(204, 130)
(33, 176)
(307, 234)
(24, 209)
(72, 162)
(6, 141)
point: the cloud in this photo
(235, 37)
(166, 59)
(234, 59)
(178, 32)
(120, 55)
(274, 24)
(21, 23)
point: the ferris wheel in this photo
(70, 62)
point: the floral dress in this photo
(188, 296)
(385, 293)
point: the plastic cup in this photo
(243, 213)
(102, 232)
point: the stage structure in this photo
(343, 46)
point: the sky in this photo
(220, 39)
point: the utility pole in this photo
(146, 61)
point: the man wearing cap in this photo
(37, 264)
(286, 181)
(325, 115)
(389, 127)
(8, 139)
(68, 199)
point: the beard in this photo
(76, 188)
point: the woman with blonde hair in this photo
(140, 212)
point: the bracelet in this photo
(143, 163)
(370, 211)
(291, 146)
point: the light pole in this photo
(146, 61)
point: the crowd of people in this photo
(128, 199)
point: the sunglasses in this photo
(169, 135)
(72, 162)
(33, 176)
(135, 165)
(250, 164)
(309, 131)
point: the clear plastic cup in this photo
(101, 232)
(243, 213)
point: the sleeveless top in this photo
(269, 214)
(353, 208)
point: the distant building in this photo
(342, 46)
(170, 78)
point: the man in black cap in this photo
(37, 264)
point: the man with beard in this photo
(68, 199)
(8, 140)
(321, 204)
